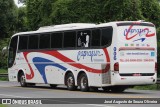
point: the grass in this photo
(2, 105)
(148, 87)
(3, 78)
(3, 71)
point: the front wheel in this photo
(22, 81)
(83, 83)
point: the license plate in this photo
(137, 74)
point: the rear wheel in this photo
(70, 82)
(83, 82)
(22, 80)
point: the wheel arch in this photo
(19, 73)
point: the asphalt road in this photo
(13, 90)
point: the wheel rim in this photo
(70, 82)
(83, 82)
(22, 79)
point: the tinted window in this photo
(33, 42)
(106, 36)
(83, 38)
(96, 37)
(56, 40)
(69, 39)
(44, 41)
(12, 51)
(23, 41)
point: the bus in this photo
(113, 56)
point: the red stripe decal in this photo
(28, 76)
(73, 63)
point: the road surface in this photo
(13, 90)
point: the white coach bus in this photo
(112, 56)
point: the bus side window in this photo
(83, 38)
(56, 40)
(12, 51)
(96, 37)
(69, 39)
(44, 42)
(33, 42)
(106, 38)
(23, 42)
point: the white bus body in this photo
(108, 55)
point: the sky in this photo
(16, 2)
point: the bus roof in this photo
(61, 27)
(71, 26)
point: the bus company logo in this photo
(131, 33)
(6, 101)
(91, 54)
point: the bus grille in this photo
(106, 78)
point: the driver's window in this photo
(12, 51)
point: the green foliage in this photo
(2, 105)
(3, 59)
(22, 20)
(119, 10)
(33, 13)
(8, 18)
(158, 51)
(3, 70)
(151, 11)
(147, 87)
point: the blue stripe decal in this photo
(41, 67)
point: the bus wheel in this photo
(22, 80)
(53, 85)
(117, 89)
(70, 82)
(83, 82)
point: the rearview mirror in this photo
(4, 51)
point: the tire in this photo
(118, 89)
(22, 80)
(70, 82)
(53, 85)
(83, 82)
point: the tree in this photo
(8, 18)
(22, 19)
(38, 13)
(151, 11)
(121, 10)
